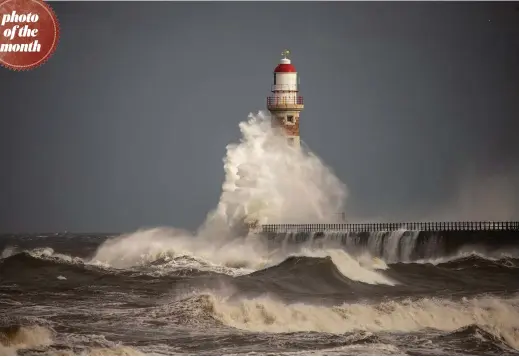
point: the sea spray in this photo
(266, 180)
(269, 181)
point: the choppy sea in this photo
(320, 297)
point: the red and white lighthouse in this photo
(285, 103)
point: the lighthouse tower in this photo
(285, 103)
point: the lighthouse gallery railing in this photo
(273, 101)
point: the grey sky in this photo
(414, 105)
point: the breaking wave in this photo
(34, 339)
(496, 318)
(168, 262)
(13, 338)
(500, 317)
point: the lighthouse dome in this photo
(285, 67)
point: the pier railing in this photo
(385, 227)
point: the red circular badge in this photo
(29, 33)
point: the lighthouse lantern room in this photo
(285, 103)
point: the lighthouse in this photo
(285, 103)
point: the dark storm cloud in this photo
(127, 124)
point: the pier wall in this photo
(397, 242)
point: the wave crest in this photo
(14, 338)
(497, 316)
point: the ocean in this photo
(220, 291)
(60, 295)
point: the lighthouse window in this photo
(274, 78)
(290, 118)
